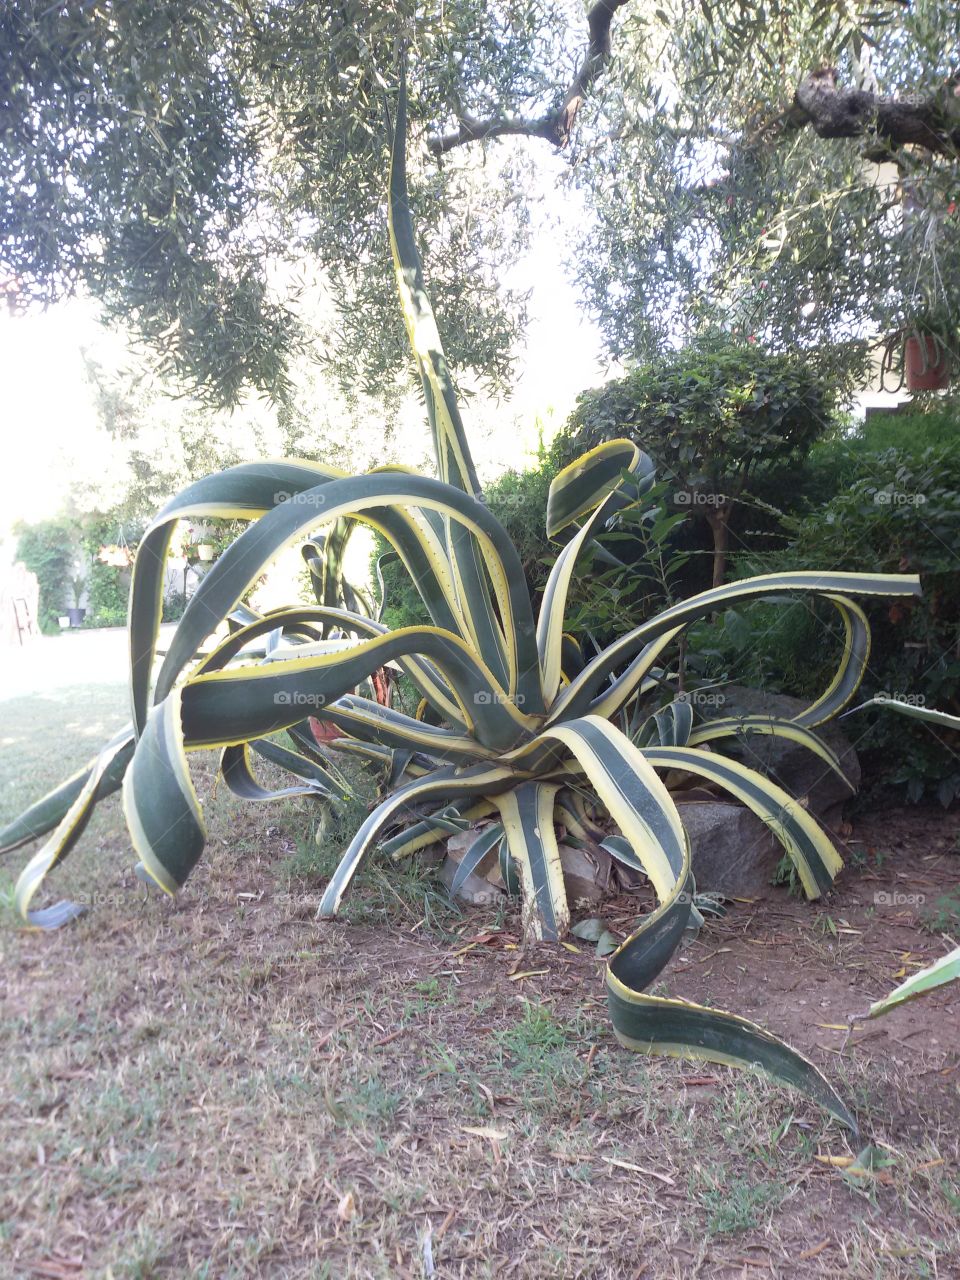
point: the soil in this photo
(223, 1086)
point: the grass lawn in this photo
(221, 1086)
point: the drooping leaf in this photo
(946, 969)
(816, 860)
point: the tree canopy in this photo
(194, 166)
(185, 162)
(715, 203)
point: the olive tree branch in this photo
(557, 124)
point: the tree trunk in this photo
(719, 522)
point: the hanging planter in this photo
(116, 555)
(918, 358)
(202, 543)
(926, 363)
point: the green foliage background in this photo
(48, 549)
(893, 508)
(880, 495)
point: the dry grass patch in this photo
(224, 1087)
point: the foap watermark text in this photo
(296, 698)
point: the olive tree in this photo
(189, 165)
(783, 170)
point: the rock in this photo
(796, 769)
(457, 845)
(476, 890)
(432, 855)
(456, 849)
(731, 851)
(585, 874)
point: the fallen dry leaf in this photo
(814, 1252)
(636, 1168)
(347, 1208)
(57, 1267)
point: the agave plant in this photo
(513, 722)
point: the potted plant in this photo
(929, 350)
(926, 362)
(201, 544)
(117, 556)
(76, 614)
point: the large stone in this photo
(586, 874)
(798, 770)
(476, 890)
(731, 851)
(458, 846)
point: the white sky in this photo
(46, 405)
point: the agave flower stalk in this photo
(524, 727)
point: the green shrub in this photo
(108, 589)
(713, 416)
(519, 501)
(404, 607)
(174, 604)
(49, 549)
(933, 427)
(839, 460)
(900, 512)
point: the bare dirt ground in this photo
(224, 1087)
